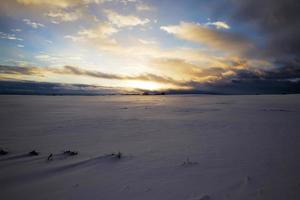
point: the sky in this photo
(188, 46)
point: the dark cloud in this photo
(241, 79)
(77, 71)
(277, 21)
(245, 87)
(253, 81)
(45, 88)
(276, 27)
(285, 71)
(96, 74)
(16, 70)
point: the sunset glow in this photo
(151, 45)
(145, 85)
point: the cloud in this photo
(147, 42)
(286, 72)
(231, 58)
(177, 68)
(215, 39)
(96, 74)
(210, 80)
(16, 30)
(144, 50)
(57, 3)
(276, 21)
(144, 7)
(63, 16)
(56, 11)
(241, 73)
(218, 25)
(74, 38)
(46, 88)
(125, 20)
(43, 57)
(16, 70)
(185, 71)
(249, 81)
(168, 70)
(125, 2)
(34, 25)
(102, 30)
(99, 35)
(70, 70)
(241, 87)
(277, 24)
(8, 36)
(60, 3)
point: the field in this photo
(181, 147)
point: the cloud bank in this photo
(210, 80)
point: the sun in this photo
(145, 85)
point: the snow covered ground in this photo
(193, 147)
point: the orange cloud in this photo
(216, 39)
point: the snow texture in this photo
(185, 147)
